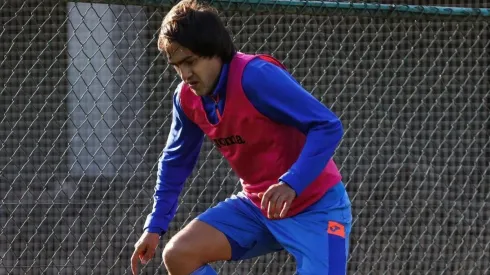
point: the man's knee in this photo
(196, 245)
(178, 252)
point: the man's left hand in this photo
(277, 200)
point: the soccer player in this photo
(277, 138)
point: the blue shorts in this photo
(318, 237)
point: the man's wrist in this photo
(288, 185)
(156, 230)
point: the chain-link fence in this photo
(85, 105)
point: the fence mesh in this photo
(85, 105)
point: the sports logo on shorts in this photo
(336, 228)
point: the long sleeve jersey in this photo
(275, 94)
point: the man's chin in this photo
(199, 92)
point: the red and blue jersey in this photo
(264, 123)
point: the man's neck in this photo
(215, 83)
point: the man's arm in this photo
(175, 165)
(277, 95)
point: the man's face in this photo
(198, 72)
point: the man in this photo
(277, 138)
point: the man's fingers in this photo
(271, 211)
(265, 199)
(278, 205)
(140, 251)
(134, 262)
(145, 258)
(276, 201)
(285, 207)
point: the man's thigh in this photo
(243, 225)
(319, 237)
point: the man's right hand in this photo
(144, 250)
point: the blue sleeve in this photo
(277, 95)
(174, 167)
